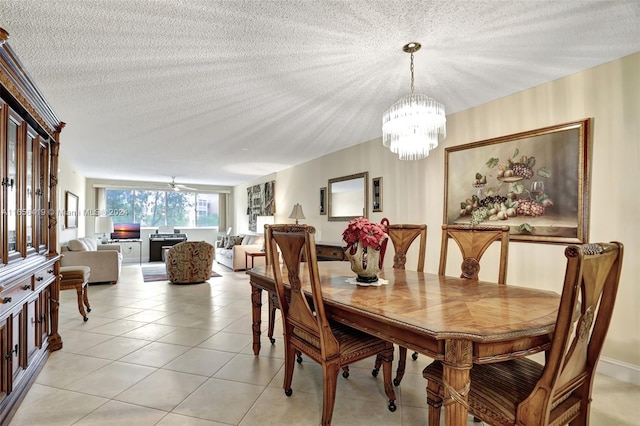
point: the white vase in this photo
(365, 262)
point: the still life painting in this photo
(535, 182)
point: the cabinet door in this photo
(5, 384)
(43, 316)
(16, 320)
(31, 326)
(41, 200)
(29, 206)
(9, 184)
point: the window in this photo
(154, 208)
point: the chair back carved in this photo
(588, 296)
(402, 236)
(305, 323)
(298, 316)
(473, 241)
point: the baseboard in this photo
(619, 370)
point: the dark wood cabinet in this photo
(329, 251)
(29, 262)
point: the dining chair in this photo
(524, 392)
(473, 241)
(331, 344)
(402, 237)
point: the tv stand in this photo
(129, 248)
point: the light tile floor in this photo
(161, 354)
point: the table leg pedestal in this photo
(457, 363)
(256, 311)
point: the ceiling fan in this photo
(179, 187)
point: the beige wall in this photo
(413, 191)
(69, 179)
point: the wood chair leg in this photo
(387, 366)
(329, 384)
(272, 320)
(289, 363)
(85, 297)
(80, 292)
(435, 403)
(345, 371)
(376, 366)
(402, 363)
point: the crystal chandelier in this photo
(413, 125)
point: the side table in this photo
(252, 255)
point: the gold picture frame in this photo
(536, 182)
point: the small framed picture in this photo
(323, 200)
(71, 210)
(376, 189)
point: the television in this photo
(126, 231)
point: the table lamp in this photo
(297, 213)
(104, 226)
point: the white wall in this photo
(413, 191)
(69, 179)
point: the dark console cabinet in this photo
(329, 251)
(157, 241)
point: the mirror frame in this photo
(365, 207)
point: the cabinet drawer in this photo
(14, 296)
(43, 276)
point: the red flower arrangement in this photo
(361, 230)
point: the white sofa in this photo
(230, 251)
(105, 260)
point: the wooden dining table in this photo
(457, 321)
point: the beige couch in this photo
(230, 251)
(105, 260)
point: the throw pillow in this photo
(76, 245)
(233, 241)
(92, 244)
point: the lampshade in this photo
(296, 213)
(413, 125)
(104, 225)
(261, 221)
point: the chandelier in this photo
(413, 125)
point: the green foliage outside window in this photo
(155, 208)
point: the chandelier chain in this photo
(412, 73)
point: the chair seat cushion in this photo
(354, 344)
(504, 386)
(75, 273)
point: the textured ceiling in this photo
(222, 92)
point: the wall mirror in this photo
(348, 197)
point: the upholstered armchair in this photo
(189, 262)
(104, 260)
